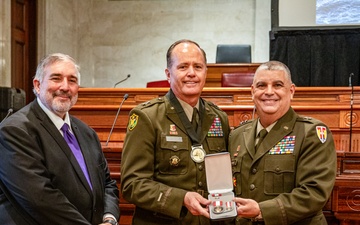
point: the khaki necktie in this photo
(195, 118)
(261, 135)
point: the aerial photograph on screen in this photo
(337, 12)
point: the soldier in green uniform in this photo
(162, 169)
(286, 176)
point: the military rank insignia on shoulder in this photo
(305, 119)
(213, 105)
(242, 123)
(151, 102)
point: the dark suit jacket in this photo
(41, 174)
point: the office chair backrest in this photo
(233, 53)
(158, 83)
(237, 79)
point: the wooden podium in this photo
(98, 107)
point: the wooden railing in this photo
(98, 107)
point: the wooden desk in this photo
(98, 107)
(346, 194)
(215, 71)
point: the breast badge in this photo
(174, 160)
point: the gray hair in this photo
(51, 59)
(275, 65)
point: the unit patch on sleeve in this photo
(133, 121)
(321, 133)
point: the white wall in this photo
(111, 39)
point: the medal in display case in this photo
(220, 186)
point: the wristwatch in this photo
(112, 222)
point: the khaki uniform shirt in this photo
(157, 169)
(292, 173)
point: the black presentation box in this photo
(11, 98)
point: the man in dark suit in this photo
(42, 180)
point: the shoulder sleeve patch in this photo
(134, 118)
(321, 132)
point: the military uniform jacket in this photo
(157, 169)
(292, 173)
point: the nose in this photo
(191, 71)
(269, 89)
(64, 84)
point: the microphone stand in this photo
(117, 114)
(10, 111)
(351, 110)
(122, 80)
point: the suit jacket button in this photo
(254, 170)
(252, 186)
(200, 167)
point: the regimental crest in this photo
(133, 121)
(173, 130)
(321, 132)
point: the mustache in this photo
(62, 93)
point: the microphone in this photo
(350, 79)
(351, 110)
(10, 111)
(128, 76)
(117, 114)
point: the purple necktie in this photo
(75, 148)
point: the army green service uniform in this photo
(292, 173)
(157, 169)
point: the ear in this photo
(292, 90)
(252, 92)
(36, 84)
(167, 72)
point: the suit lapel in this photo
(173, 116)
(207, 121)
(59, 139)
(249, 137)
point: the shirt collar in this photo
(259, 127)
(188, 108)
(58, 122)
